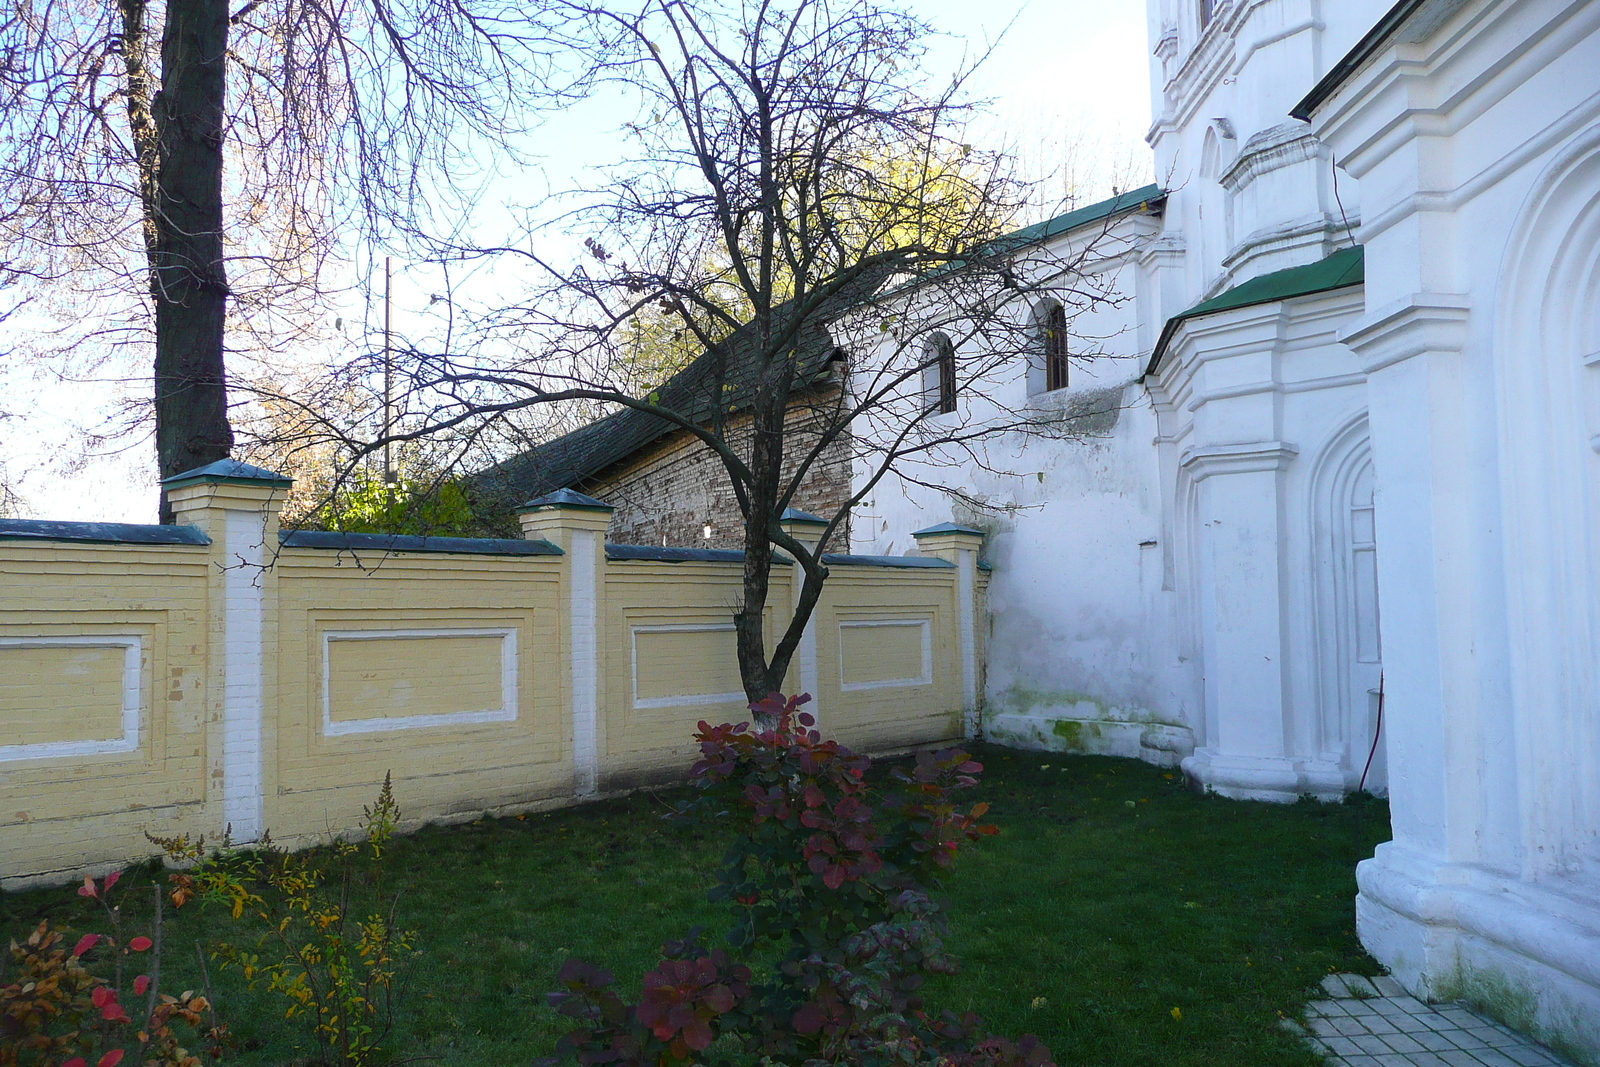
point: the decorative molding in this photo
(506, 712)
(1220, 50)
(1422, 322)
(926, 678)
(132, 646)
(1319, 231)
(1200, 400)
(1167, 250)
(687, 699)
(1272, 149)
(1207, 460)
(1167, 44)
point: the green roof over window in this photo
(1338, 271)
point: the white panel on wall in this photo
(129, 647)
(502, 709)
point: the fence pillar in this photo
(577, 525)
(237, 506)
(807, 529)
(961, 545)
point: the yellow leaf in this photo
(1177, 1013)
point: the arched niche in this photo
(1348, 653)
(1546, 358)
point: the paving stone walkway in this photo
(1376, 1023)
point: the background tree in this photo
(166, 164)
(801, 196)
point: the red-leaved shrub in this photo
(830, 879)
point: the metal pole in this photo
(389, 475)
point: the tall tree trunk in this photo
(759, 675)
(187, 273)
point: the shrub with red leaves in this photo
(65, 1006)
(834, 877)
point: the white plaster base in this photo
(1157, 743)
(1275, 779)
(1526, 954)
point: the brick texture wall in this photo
(670, 493)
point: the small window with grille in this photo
(939, 374)
(1054, 330)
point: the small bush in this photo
(835, 926)
(71, 1007)
(336, 969)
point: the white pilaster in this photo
(577, 525)
(966, 593)
(585, 661)
(237, 506)
(242, 655)
(960, 545)
(807, 529)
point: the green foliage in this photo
(1087, 921)
(830, 882)
(337, 971)
(369, 505)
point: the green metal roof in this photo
(1133, 200)
(1338, 271)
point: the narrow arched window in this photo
(939, 374)
(1206, 9)
(1052, 323)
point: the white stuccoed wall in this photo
(1079, 616)
(1415, 460)
(1476, 140)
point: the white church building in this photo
(1339, 525)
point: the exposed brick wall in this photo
(672, 491)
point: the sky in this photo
(1068, 84)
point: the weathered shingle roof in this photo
(728, 372)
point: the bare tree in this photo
(804, 211)
(177, 175)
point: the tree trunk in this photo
(759, 676)
(188, 276)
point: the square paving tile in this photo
(1376, 1023)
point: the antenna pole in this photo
(389, 474)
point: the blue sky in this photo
(1069, 84)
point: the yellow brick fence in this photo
(221, 673)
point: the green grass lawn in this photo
(1113, 896)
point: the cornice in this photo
(1204, 461)
(1272, 149)
(1168, 248)
(1412, 326)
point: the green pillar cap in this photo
(565, 498)
(228, 472)
(947, 528)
